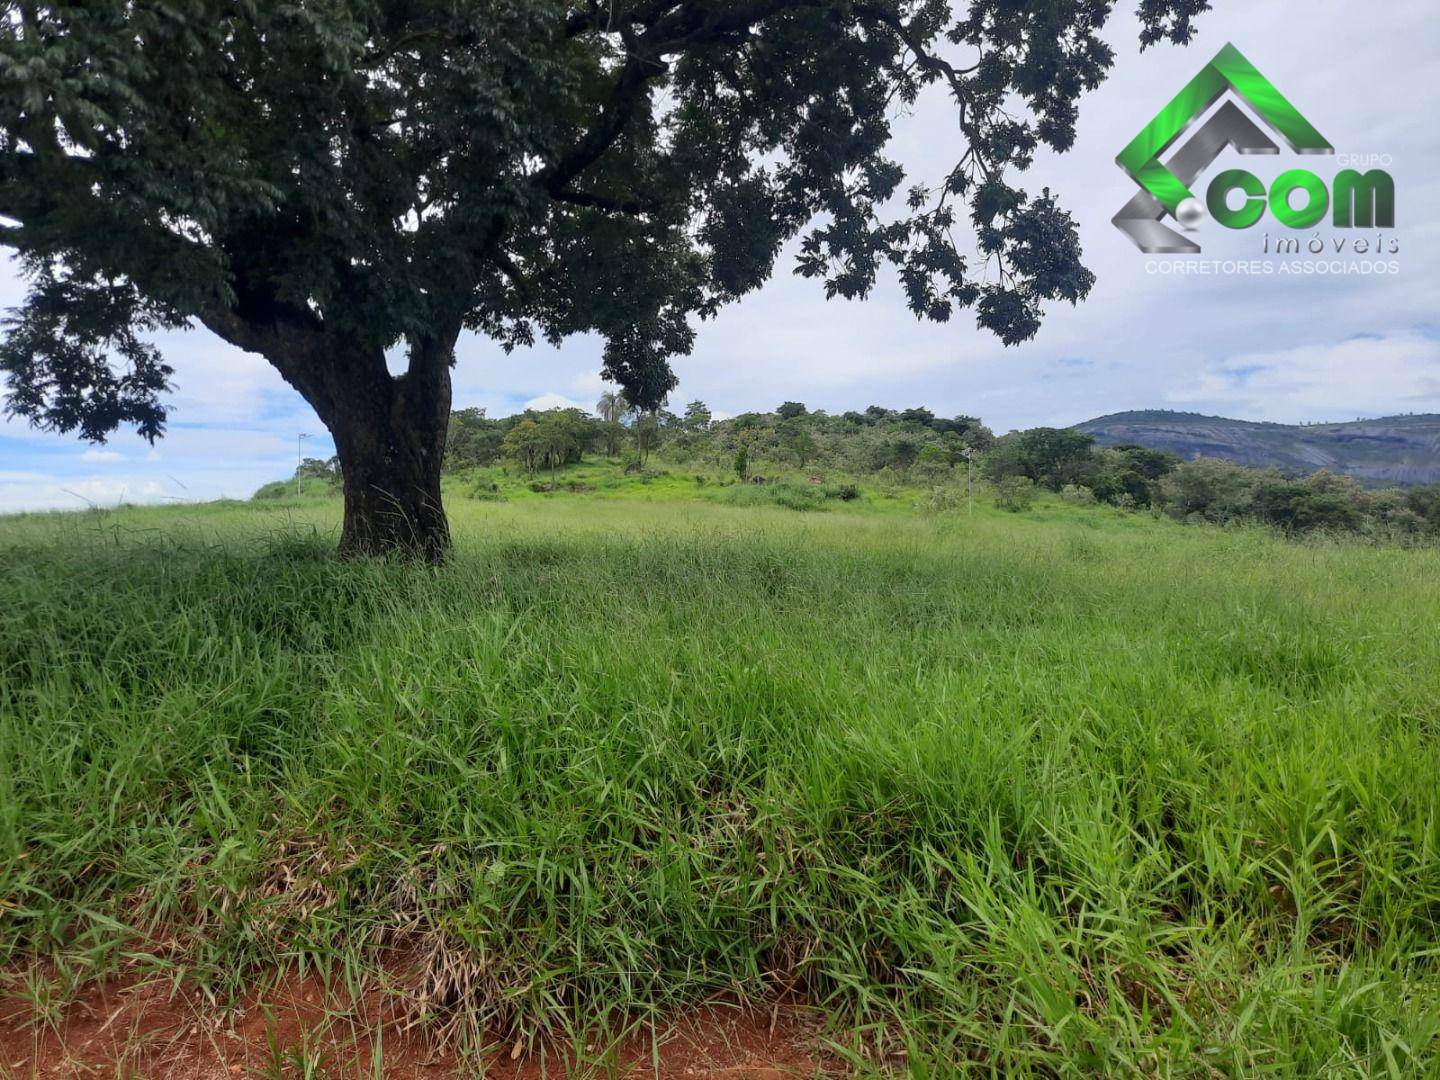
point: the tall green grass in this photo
(1068, 793)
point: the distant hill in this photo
(1398, 450)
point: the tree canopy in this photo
(324, 182)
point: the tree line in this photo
(1211, 490)
(916, 447)
(913, 443)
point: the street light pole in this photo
(299, 459)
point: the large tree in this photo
(328, 182)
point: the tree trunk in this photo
(389, 430)
(392, 491)
(390, 447)
(390, 437)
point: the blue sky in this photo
(1272, 348)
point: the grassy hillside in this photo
(1065, 793)
(1388, 451)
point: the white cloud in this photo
(242, 445)
(1364, 376)
(590, 384)
(101, 455)
(553, 401)
(216, 383)
(44, 492)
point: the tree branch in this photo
(937, 65)
(633, 207)
(626, 96)
(605, 19)
(669, 29)
(926, 59)
(45, 180)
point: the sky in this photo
(1288, 348)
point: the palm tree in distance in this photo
(611, 408)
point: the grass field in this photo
(1063, 793)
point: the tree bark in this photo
(389, 430)
(390, 438)
(391, 474)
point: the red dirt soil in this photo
(137, 1029)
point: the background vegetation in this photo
(890, 450)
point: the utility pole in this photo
(299, 439)
(969, 453)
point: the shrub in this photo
(1392, 512)
(316, 478)
(789, 495)
(1051, 457)
(1129, 475)
(941, 500)
(1080, 496)
(487, 491)
(1321, 501)
(933, 464)
(1015, 493)
(1208, 489)
(1424, 502)
(276, 489)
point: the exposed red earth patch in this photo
(147, 1029)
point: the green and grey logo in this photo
(1361, 200)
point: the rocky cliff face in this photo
(1394, 450)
